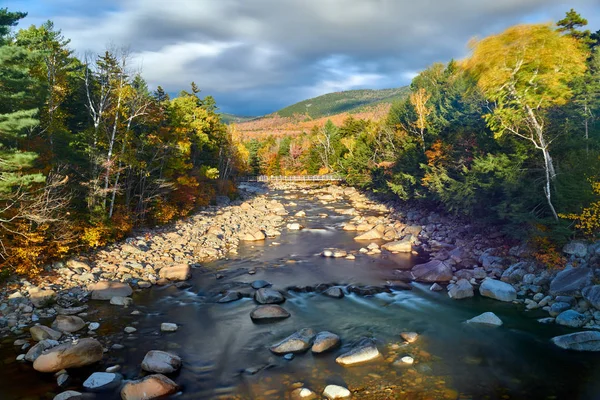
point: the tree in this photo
(525, 71)
(419, 100)
(570, 24)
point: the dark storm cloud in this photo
(256, 56)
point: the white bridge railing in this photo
(292, 178)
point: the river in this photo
(226, 355)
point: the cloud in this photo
(256, 56)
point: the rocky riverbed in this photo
(74, 324)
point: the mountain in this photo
(235, 119)
(348, 101)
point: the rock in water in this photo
(68, 323)
(39, 348)
(400, 246)
(150, 387)
(230, 296)
(106, 290)
(69, 355)
(69, 394)
(498, 290)
(487, 318)
(100, 381)
(571, 318)
(325, 341)
(432, 271)
(161, 362)
(460, 290)
(333, 392)
(410, 337)
(335, 292)
(303, 394)
(298, 342)
(268, 296)
(41, 332)
(259, 284)
(364, 350)
(579, 341)
(268, 312)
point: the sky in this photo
(257, 56)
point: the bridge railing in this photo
(292, 178)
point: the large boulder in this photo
(41, 332)
(498, 290)
(363, 351)
(102, 381)
(571, 281)
(150, 387)
(161, 362)
(69, 355)
(399, 246)
(571, 318)
(42, 298)
(68, 323)
(375, 233)
(268, 312)
(576, 248)
(268, 296)
(37, 350)
(592, 295)
(298, 342)
(486, 319)
(325, 341)
(432, 271)
(580, 341)
(462, 289)
(179, 272)
(106, 290)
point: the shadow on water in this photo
(226, 355)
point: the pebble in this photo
(168, 327)
(129, 329)
(93, 326)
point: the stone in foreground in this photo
(101, 381)
(161, 362)
(336, 392)
(325, 341)
(106, 290)
(365, 350)
(269, 312)
(298, 342)
(150, 387)
(69, 355)
(487, 319)
(579, 341)
(498, 290)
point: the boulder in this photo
(498, 290)
(335, 292)
(101, 381)
(259, 284)
(150, 387)
(432, 271)
(399, 246)
(42, 298)
(325, 341)
(375, 233)
(576, 248)
(363, 351)
(487, 319)
(41, 332)
(558, 307)
(106, 290)
(69, 355)
(230, 296)
(333, 392)
(571, 281)
(571, 318)
(37, 350)
(579, 341)
(68, 323)
(592, 295)
(268, 296)
(68, 395)
(268, 312)
(298, 342)
(181, 272)
(161, 362)
(253, 236)
(462, 289)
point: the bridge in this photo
(293, 178)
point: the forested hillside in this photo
(87, 151)
(510, 135)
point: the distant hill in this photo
(236, 119)
(347, 101)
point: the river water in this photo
(226, 355)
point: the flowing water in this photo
(226, 355)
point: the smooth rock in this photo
(571, 281)
(487, 318)
(178, 273)
(69, 355)
(101, 381)
(37, 350)
(42, 298)
(558, 307)
(268, 312)
(168, 327)
(41, 332)
(592, 295)
(230, 296)
(498, 290)
(332, 392)
(161, 362)
(462, 289)
(335, 292)
(106, 290)
(399, 246)
(68, 323)
(580, 341)
(68, 395)
(268, 296)
(571, 318)
(364, 350)
(325, 341)
(259, 284)
(303, 394)
(410, 337)
(150, 387)
(432, 271)
(298, 342)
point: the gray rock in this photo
(436, 288)
(497, 290)
(558, 307)
(592, 295)
(69, 355)
(325, 341)
(335, 292)
(269, 312)
(580, 341)
(363, 351)
(41, 332)
(68, 323)
(566, 299)
(268, 296)
(515, 272)
(333, 392)
(487, 318)
(230, 296)
(571, 281)
(161, 362)
(121, 301)
(432, 271)
(106, 290)
(576, 248)
(259, 284)
(101, 381)
(68, 395)
(39, 348)
(571, 318)
(298, 342)
(460, 290)
(168, 327)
